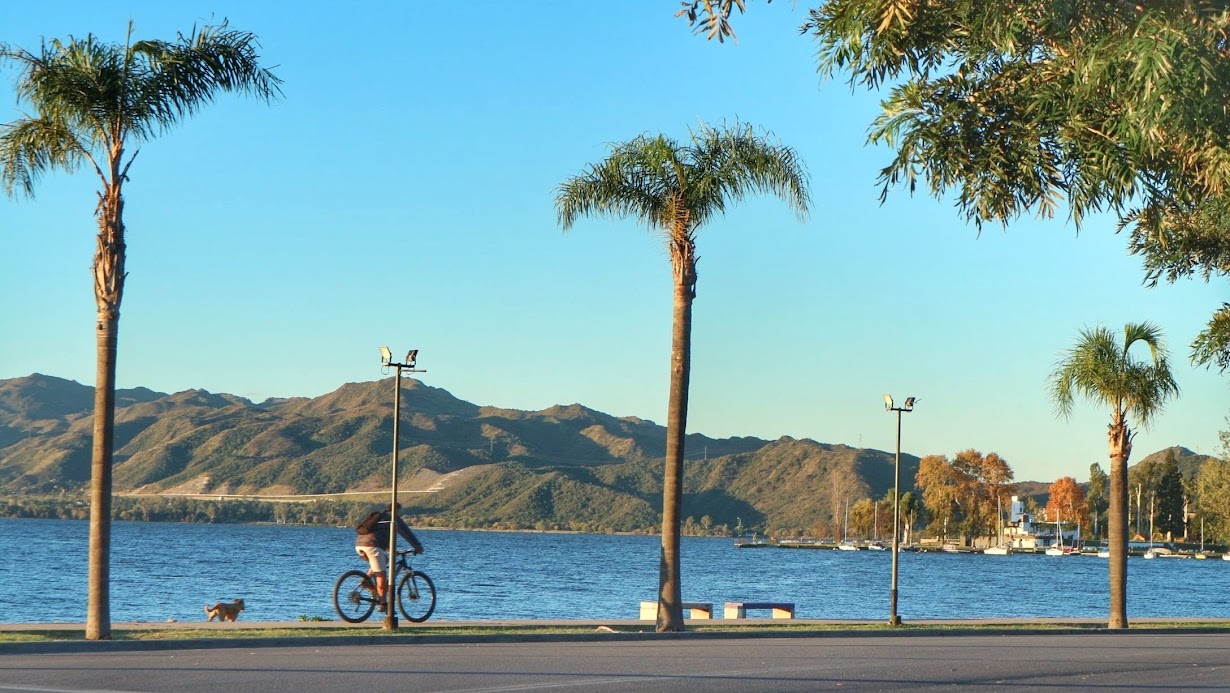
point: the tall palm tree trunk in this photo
(670, 594)
(1120, 440)
(108, 291)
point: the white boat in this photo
(1000, 549)
(1201, 555)
(1058, 549)
(877, 546)
(1103, 552)
(1225, 556)
(846, 544)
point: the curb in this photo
(102, 646)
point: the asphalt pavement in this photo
(1140, 660)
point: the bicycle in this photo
(354, 594)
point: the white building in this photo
(1022, 532)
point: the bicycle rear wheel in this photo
(353, 596)
(416, 597)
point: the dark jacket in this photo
(381, 533)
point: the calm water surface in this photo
(164, 571)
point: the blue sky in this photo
(402, 193)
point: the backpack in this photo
(368, 525)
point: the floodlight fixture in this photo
(888, 402)
(909, 402)
(414, 354)
(386, 356)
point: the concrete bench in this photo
(649, 610)
(740, 609)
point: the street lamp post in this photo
(386, 360)
(893, 618)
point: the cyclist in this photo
(372, 544)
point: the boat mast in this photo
(845, 532)
(999, 519)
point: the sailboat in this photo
(1000, 549)
(1152, 552)
(876, 544)
(1201, 555)
(1058, 548)
(846, 544)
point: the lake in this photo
(162, 571)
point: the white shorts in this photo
(374, 555)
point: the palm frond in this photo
(92, 97)
(174, 80)
(1151, 383)
(637, 180)
(1100, 368)
(677, 189)
(77, 83)
(31, 147)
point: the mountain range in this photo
(551, 468)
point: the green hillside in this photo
(460, 464)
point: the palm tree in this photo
(1102, 370)
(674, 190)
(94, 99)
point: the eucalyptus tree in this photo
(1016, 106)
(92, 102)
(1213, 498)
(675, 189)
(1102, 369)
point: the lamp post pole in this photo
(390, 614)
(893, 618)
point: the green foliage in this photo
(1212, 346)
(675, 189)
(1213, 499)
(93, 97)
(1170, 506)
(712, 17)
(1100, 368)
(1026, 106)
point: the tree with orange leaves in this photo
(1067, 502)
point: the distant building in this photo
(1022, 532)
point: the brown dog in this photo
(224, 610)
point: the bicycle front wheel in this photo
(354, 596)
(416, 597)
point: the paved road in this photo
(1096, 661)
